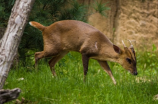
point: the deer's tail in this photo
(37, 25)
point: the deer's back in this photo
(73, 35)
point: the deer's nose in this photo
(135, 73)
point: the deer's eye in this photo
(129, 60)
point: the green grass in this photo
(68, 87)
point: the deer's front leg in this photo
(106, 68)
(85, 60)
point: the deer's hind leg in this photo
(49, 50)
(54, 60)
(45, 53)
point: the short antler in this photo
(123, 43)
(130, 43)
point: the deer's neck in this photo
(107, 53)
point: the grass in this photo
(68, 87)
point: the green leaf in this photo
(154, 48)
(1, 8)
(101, 8)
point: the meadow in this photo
(40, 87)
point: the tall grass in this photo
(68, 87)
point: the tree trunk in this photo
(12, 36)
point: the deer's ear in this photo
(117, 49)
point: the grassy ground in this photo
(68, 87)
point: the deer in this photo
(71, 35)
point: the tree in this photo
(12, 36)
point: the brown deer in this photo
(71, 35)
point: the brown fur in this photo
(71, 35)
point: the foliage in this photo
(68, 87)
(5, 8)
(148, 61)
(101, 7)
(47, 12)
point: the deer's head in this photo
(127, 58)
